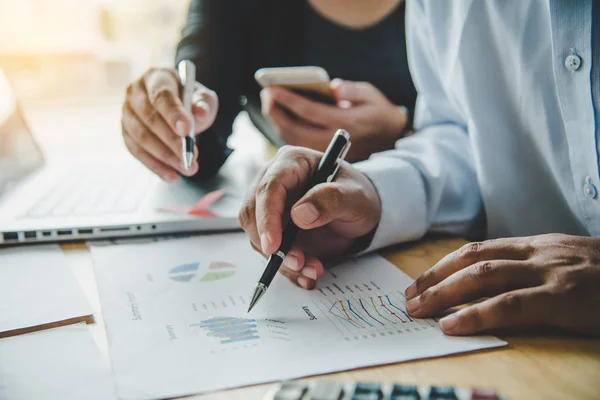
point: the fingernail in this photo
(303, 281)
(203, 106)
(180, 128)
(265, 241)
(449, 324)
(411, 291)
(336, 82)
(306, 213)
(291, 261)
(412, 306)
(309, 272)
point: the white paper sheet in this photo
(176, 319)
(37, 288)
(61, 363)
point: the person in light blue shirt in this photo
(506, 149)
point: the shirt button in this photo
(589, 190)
(573, 61)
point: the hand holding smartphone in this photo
(311, 82)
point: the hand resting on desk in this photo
(154, 121)
(546, 280)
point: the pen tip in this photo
(258, 293)
(187, 160)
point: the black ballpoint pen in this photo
(328, 167)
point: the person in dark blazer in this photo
(361, 43)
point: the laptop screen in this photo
(19, 153)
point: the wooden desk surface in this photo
(530, 367)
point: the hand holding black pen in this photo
(326, 171)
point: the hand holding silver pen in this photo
(155, 120)
(187, 76)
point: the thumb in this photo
(354, 92)
(342, 201)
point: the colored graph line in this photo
(390, 311)
(377, 311)
(348, 316)
(230, 330)
(370, 316)
(327, 316)
(397, 308)
(357, 314)
(341, 317)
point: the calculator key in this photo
(484, 394)
(405, 392)
(367, 391)
(367, 396)
(367, 387)
(289, 394)
(327, 390)
(442, 392)
(291, 391)
(414, 396)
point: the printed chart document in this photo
(175, 313)
(56, 364)
(37, 289)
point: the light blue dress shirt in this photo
(507, 141)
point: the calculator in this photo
(336, 390)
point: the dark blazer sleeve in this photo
(211, 39)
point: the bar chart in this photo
(229, 330)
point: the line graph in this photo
(369, 314)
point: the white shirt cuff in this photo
(403, 203)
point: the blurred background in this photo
(66, 51)
(69, 62)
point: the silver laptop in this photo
(41, 203)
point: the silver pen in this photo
(187, 76)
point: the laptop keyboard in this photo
(90, 191)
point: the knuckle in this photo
(482, 271)
(511, 304)
(430, 294)
(471, 250)
(129, 90)
(162, 95)
(246, 216)
(421, 282)
(143, 135)
(287, 152)
(151, 71)
(474, 319)
(268, 186)
(150, 112)
(332, 196)
(565, 281)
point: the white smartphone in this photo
(312, 82)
